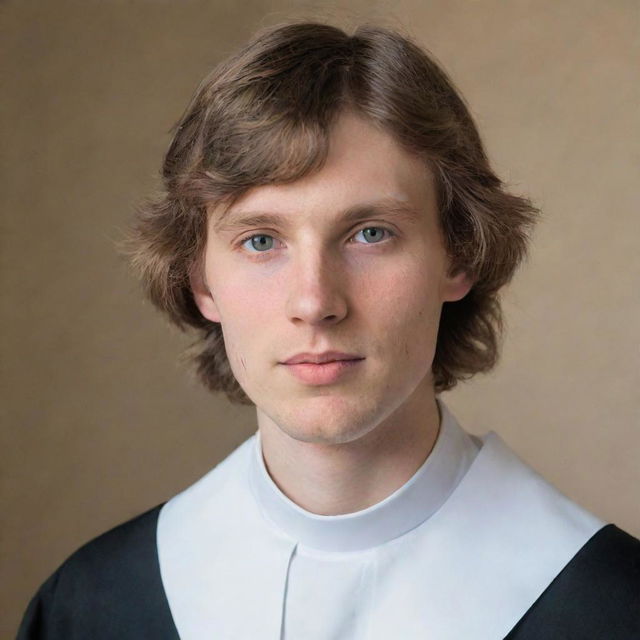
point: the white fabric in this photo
(406, 508)
(319, 586)
(462, 550)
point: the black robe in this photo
(111, 589)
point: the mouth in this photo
(323, 373)
(322, 358)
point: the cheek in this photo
(403, 310)
(404, 295)
(244, 298)
(243, 309)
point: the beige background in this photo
(99, 420)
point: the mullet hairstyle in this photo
(264, 116)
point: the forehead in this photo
(365, 168)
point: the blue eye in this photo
(260, 242)
(374, 233)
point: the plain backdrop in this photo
(100, 421)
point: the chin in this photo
(323, 435)
(339, 424)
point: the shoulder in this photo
(613, 556)
(597, 595)
(102, 564)
(110, 587)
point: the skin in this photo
(317, 283)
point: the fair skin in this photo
(309, 281)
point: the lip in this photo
(323, 373)
(321, 358)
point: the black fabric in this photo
(595, 597)
(109, 589)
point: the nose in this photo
(316, 289)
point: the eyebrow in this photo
(401, 211)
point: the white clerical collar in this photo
(492, 548)
(409, 506)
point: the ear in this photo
(202, 294)
(456, 286)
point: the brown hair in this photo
(264, 116)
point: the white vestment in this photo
(461, 550)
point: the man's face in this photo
(310, 280)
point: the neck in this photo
(334, 479)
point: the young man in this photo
(332, 228)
